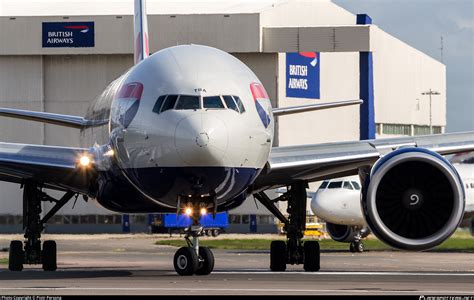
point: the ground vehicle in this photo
(173, 223)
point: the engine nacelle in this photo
(345, 233)
(413, 199)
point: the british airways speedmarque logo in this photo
(68, 34)
(303, 75)
(262, 102)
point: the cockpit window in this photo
(212, 102)
(188, 102)
(229, 101)
(240, 105)
(356, 185)
(347, 185)
(159, 102)
(324, 185)
(193, 102)
(335, 185)
(169, 103)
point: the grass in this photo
(3, 261)
(459, 242)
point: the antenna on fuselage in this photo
(141, 47)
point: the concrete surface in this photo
(132, 264)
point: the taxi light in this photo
(84, 161)
(110, 153)
(189, 211)
(203, 211)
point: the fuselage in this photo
(189, 122)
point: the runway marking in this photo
(325, 273)
(270, 290)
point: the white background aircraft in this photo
(189, 129)
(338, 202)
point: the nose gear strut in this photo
(194, 259)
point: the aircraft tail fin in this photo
(141, 48)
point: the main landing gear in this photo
(293, 251)
(31, 250)
(194, 259)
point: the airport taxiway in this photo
(133, 265)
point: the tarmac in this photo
(133, 265)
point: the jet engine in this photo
(413, 199)
(345, 233)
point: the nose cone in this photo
(201, 140)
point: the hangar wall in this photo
(65, 80)
(338, 81)
(401, 74)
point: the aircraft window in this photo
(188, 102)
(239, 104)
(472, 185)
(324, 185)
(356, 185)
(230, 103)
(169, 102)
(335, 185)
(347, 185)
(212, 102)
(158, 104)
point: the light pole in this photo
(430, 93)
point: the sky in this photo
(421, 24)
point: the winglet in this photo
(140, 29)
(304, 108)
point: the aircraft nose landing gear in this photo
(194, 259)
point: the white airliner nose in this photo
(201, 140)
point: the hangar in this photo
(59, 56)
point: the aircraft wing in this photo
(55, 167)
(57, 119)
(324, 161)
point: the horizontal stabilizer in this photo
(57, 119)
(304, 108)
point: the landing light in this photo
(203, 211)
(84, 161)
(188, 211)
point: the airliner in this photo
(338, 202)
(190, 130)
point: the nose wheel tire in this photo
(278, 256)
(311, 256)
(49, 255)
(356, 247)
(16, 256)
(186, 261)
(206, 261)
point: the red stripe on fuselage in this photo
(258, 91)
(131, 90)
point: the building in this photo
(304, 51)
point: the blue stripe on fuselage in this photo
(164, 184)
